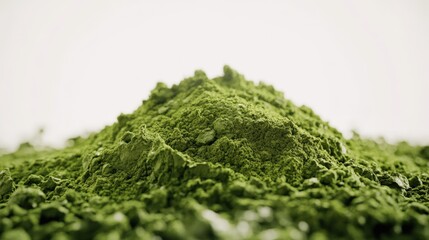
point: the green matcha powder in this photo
(218, 158)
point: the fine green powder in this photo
(218, 158)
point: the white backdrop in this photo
(73, 66)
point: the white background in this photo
(73, 66)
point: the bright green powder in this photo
(216, 158)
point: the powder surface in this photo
(220, 158)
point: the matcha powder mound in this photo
(218, 158)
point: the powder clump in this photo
(220, 158)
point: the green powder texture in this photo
(220, 158)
